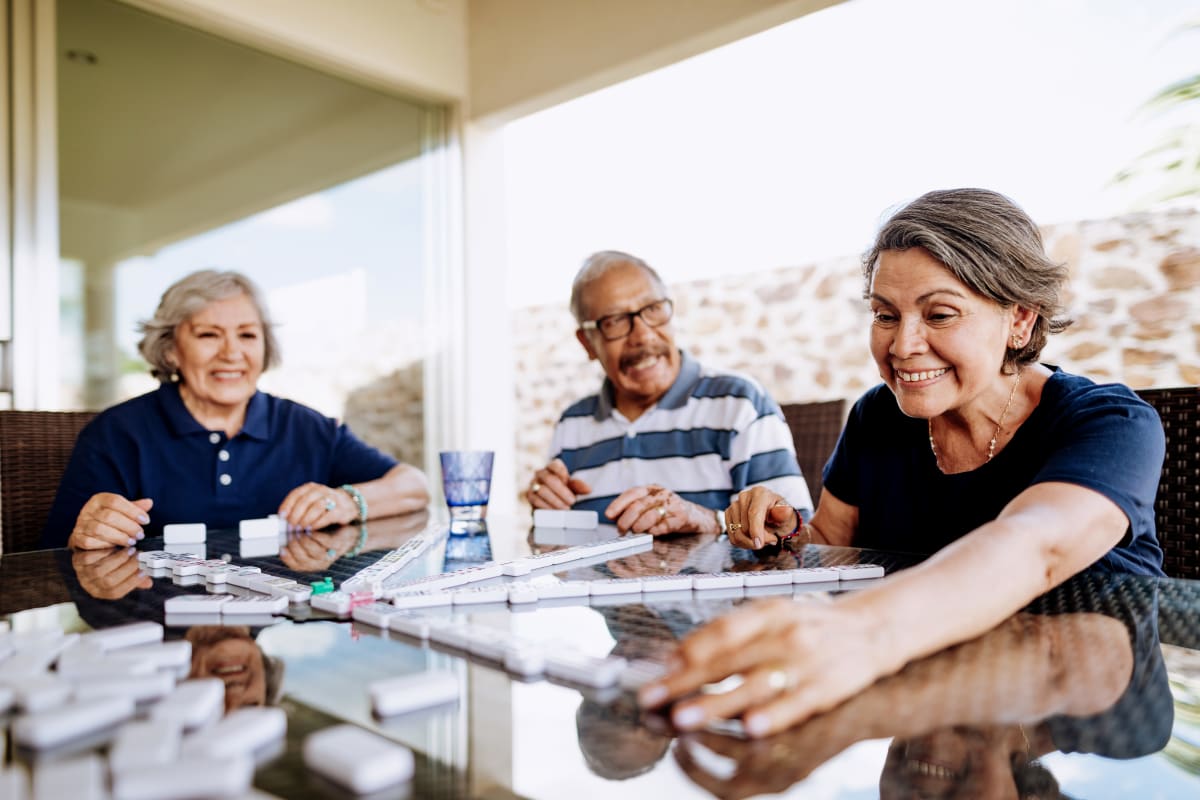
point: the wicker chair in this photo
(1177, 507)
(34, 449)
(815, 429)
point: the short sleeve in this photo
(355, 461)
(92, 468)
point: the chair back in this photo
(815, 429)
(34, 449)
(1177, 506)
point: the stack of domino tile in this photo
(369, 582)
(117, 686)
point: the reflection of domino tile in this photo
(631, 541)
(481, 594)
(452, 635)
(770, 577)
(855, 572)
(519, 593)
(774, 589)
(666, 583)
(421, 599)
(46, 729)
(638, 673)
(261, 604)
(576, 667)
(615, 586)
(195, 604)
(557, 589)
(721, 593)
(202, 777)
(377, 614)
(407, 693)
(410, 625)
(718, 580)
(487, 643)
(358, 760)
(813, 574)
(525, 660)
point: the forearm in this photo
(401, 490)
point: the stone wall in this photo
(802, 331)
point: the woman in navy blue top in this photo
(1013, 474)
(207, 446)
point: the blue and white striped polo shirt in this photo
(711, 435)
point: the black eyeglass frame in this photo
(595, 324)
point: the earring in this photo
(1015, 341)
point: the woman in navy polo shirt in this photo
(207, 446)
(1012, 474)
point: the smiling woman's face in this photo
(231, 655)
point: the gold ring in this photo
(662, 511)
(734, 527)
(537, 487)
(779, 680)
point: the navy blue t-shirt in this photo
(1103, 437)
(151, 446)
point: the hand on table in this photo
(109, 574)
(109, 520)
(797, 659)
(315, 505)
(656, 510)
(553, 487)
(758, 518)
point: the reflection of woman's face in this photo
(231, 655)
(955, 762)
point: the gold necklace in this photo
(995, 435)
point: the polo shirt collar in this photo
(181, 422)
(676, 396)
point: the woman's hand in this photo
(314, 552)
(109, 520)
(758, 518)
(553, 487)
(796, 659)
(657, 511)
(314, 505)
(109, 574)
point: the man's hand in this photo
(757, 518)
(553, 487)
(656, 510)
(109, 520)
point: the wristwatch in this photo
(720, 512)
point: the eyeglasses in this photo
(618, 326)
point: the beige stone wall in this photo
(802, 331)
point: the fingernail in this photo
(757, 543)
(130, 551)
(652, 694)
(131, 541)
(688, 717)
(141, 535)
(755, 724)
(142, 518)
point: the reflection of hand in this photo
(759, 766)
(109, 574)
(666, 557)
(314, 505)
(314, 552)
(656, 510)
(108, 520)
(797, 658)
(553, 487)
(758, 517)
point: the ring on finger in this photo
(662, 511)
(733, 527)
(330, 504)
(535, 488)
(779, 679)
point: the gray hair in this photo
(989, 244)
(596, 265)
(186, 297)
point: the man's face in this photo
(643, 365)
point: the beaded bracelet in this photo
(801, 528)
(358, 546)
(358, 499)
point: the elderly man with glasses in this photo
(666, 442)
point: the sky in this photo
(789, 146)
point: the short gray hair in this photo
(186, 297)
(596, 265)
(989, 244)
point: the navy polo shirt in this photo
(151, 446)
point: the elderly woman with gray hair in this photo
(1012, 474)
(207, 446)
